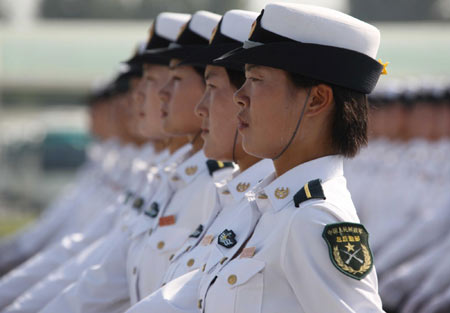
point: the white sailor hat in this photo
(135, 59)
(162, 33)
(193, 35)
(315, 42)
(229, 34)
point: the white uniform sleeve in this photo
(178, 296)
(101, 288)
(27, 275)
(317, 283)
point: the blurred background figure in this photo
(53, 53)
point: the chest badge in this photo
(167, 220)
(281, 193)
(241, 187)
(191, 170)
(349, 250)
(197, 232)
(227, 239)
(153, 210)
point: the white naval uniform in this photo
(204, 252)
(50, 258)
(104, 287)
(190, 206)
(291, 270)
(66, 271)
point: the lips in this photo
(242, 123)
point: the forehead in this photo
(214, 71)
(173, 63)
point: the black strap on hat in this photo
(296, 127)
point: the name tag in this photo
(247, 252)
(167, 220)
(206, 241)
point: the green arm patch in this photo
(348, 245)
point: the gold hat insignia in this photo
(281, 193)
(252, 29)
(385, 64)
(213, 34)
(182, 30)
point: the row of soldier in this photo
(407, 156)
(154, 224)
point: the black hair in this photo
(350, 118)
(237, 78)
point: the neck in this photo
(197, 142)
(176, 143)
(243, 159)
(295, 156)
(160, 145)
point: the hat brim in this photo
(208, 54)
(338, 66)
(179, 52)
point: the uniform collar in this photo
(176, 158)
(192, 167)
(247, 180)
(281, 191)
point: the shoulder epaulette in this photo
(214, 165)
(311, 190)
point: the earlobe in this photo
(321, 99)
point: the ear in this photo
(320, 99)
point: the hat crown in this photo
(168, 24)
(236, 24)
(318, 25)
(203, 22)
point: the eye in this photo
(211, 86)
(176, 78)
(253, 79)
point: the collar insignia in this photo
(191, 170)
(227, 239)
(241, 187)
(348, 245)
(281, 193)
(153, 210)
(197, 232)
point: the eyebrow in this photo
(209, 75)
(249, 67)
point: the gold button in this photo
(171, 257)
(190, 262)
(134, 270)
(203, 267)
(161, 245)
(199, 304)
(223, 260)
(232, 279)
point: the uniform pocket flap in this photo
(168, 238)
(240, 271)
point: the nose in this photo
(164, 93)
(240, 96)
(201, 109)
